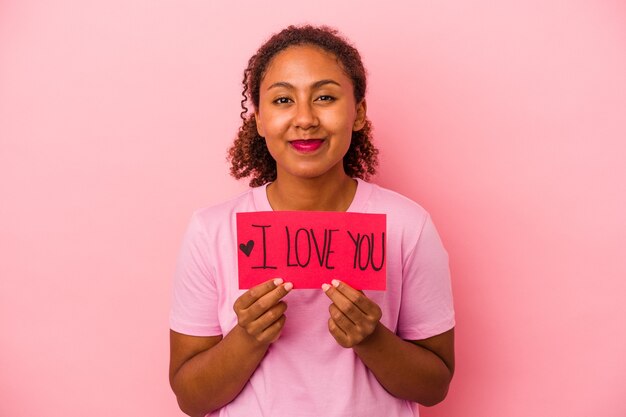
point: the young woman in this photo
(336, 351)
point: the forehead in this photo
(304, 63)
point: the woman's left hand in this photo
(353, 316)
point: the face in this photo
(307, 113)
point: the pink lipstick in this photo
(306, 145)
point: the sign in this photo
(309, 248)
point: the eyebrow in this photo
(316, 84)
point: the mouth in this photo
(306, 145)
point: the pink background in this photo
(506, 120)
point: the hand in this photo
(353, 316)
(260, 311)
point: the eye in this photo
(326, 98)
(282, 100)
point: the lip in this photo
(306, 145)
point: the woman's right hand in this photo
(261, 311)
(207, 373)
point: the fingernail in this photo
(325, 287)
(335, 283)
(278, 281)
(288, 286)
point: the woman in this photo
(336, 351)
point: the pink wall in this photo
(506, 120)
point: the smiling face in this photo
(307, 112)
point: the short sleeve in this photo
(427, 306)
(194, 296)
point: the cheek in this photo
(274, 124)
(343, 122)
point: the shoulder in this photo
(218, 216)
(219, 212)
(394, 204)
(407, 221)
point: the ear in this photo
(361, 113)
(259, 125)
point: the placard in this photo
(309, 248)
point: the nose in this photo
(305, 117)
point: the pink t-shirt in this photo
(305, 373)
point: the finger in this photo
(267, 301)
(340, 336)
(346, 307)
(342, 321)
(358, 298)
(267, 319)
(249, 297)
(272, 333)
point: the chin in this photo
(313, 170)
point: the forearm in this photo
(405, 369)
(214, 377)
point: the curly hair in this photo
(249, 156)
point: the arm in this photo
(418, 371)
(207, 373)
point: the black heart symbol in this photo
(247, 248)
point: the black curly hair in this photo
(249, 156)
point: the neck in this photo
(313, 194)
